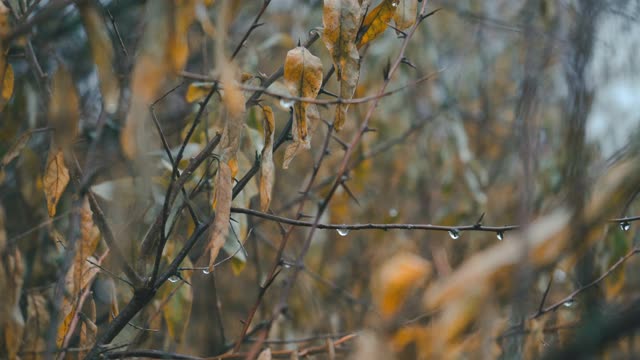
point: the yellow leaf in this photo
(303, 78)
(397, 276)
(103, 55)
(6, 80)
(267, 171)
(55, 180)
(232, 96)
(341, 19)
(183, 14)
(376, 21)
(197, 91)
(63, 109)
(69, 310)
(405, 15)
(296, 147)
(222, 200)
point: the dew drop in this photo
(206, 271)
(343, 232)
(569, 303)
(559, 275)
(174, 279)
(394, 4)
(454, 233)
(625, 226)
(500, 235)
(286, 103)
(393, 212)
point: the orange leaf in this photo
(197, 91)
(55, 180)
(341, 19)
(376, 21)
(397, 276)
(222, 200)
(267, 171)
(6, 82)
(102, 53)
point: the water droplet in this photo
(286, 103)
(206, 271)
(174, 279)
(625, 226)
(394, 4)
(500, 235)
(393, 212)
(343, 232)
(569, 303)
(454, 233)
(286, 265)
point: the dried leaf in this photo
(11, 319)
(6, 80)
(103, 55)
(376, 21)
(197, 91)
(3, 231)
(405, 15)
(397, 276)
(63, 109)
(15, 149)
(267, 171)
(222, 204)
(303, 78)
(297, 146)
(341, 19)
(183, 14)
(232, 96)
(178, 300)
(55, 180)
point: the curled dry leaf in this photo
(103, 55)
(267, 171)
(55, 180)
(265, 354)
(313, 117)
(396, 278)
(376, 21)
(63, 109)
(341, 19)
(303, 78)
(15, 149)
(406, 12)
(11, 319)
(6, 81)
(222, 205)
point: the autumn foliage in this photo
(390, 179)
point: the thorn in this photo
(299, 43)
(401, 34)
(422, 17)
(479, 221)
(304, 216)
(256, 26)
(343, 145)
(408, 63)
(385, 71)
(323, 91)
(344, 186)
(368, 129)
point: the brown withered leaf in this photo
(15, 149)
(3, 231)
(103, 55)
(267, 171)
(398, 275)
(6, 81)
(296, 147)
(406, 12)
(232, 96)
(265, 354)
(63, 109)
(11, 319)
(222, 205)
(55, 179)
(183, 14)
(341, 19)
(376, 21)
(303, 78)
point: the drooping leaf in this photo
(222, 205)
(267, 171)
(265, 354)
(303, 78)
(397, 276)
(103, 55)
(232, 96)
(63, 109)
(178, 300)
(55, 179)
(6, 81)
(376, 21)
(313, 117)
(341, 19)
(14, 151)
(183, 14)
(11, 319)
(197, 91)
(406, 12)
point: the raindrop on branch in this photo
(206, 271)
(569, 303)
(174, 279)
(343, 232)
(454, 233)
(393, 212)
(500, 235)
(286, 103)
(625, 226)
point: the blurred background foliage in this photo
(534, 101)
